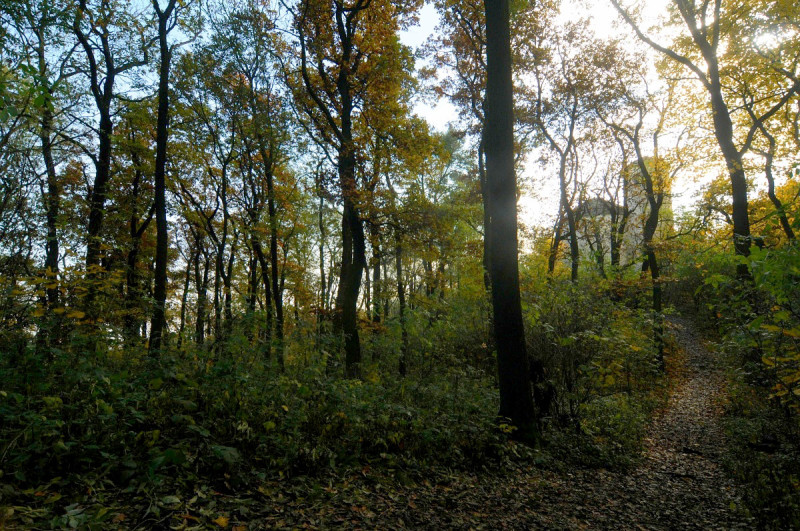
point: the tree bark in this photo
(401, 297)
(781, 211)
(353, 240)
(516, 401)
(266, 279)
(162, 132)
(201, 284)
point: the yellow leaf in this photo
(59, 311)
(38, 312)
(76, 314)
(285, 408)
(222, 521)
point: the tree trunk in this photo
(487, 255)
(184, 298)
(376, 279)
(516, 401)
(265, 277)
(162, 131)
(723, 129)
(277, 292)
(49, 331)
(353, 247)
(202, 298)
(401, 297)
(768, 158)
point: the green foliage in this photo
(758, 322)
(763, 458)
(601, 368)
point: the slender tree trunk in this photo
(323, 299)
(516, 400)
(217, 300)
(552, 257)
(202, 298)
(574, 249)
(132, 294)
(52, 208)
(49, 331)
(376, 280)
(401, 297)
(487, 255)
(162, 131)
(385, 267)
(252, 294)
(265, 277)
(187, 278)
(277, 292)
(768, 158)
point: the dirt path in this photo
(679, 484)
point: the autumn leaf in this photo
(222, 521)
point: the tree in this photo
(578, 73)
(341, 46)
(166, 22)
(106, 59)
(656, 175)
(710, 30)
(516, 400)
(38, 28)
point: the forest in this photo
(373, 264)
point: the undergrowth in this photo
(86, 440)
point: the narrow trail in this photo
(680, 484)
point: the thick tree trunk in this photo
(723, 129)
(516, 401)
(353, 243)
(353, 262)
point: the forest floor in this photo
(678, 483)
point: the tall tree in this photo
(105, 61)
(516, 400)
(166, 22)
(341, 45)
(711, 29)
